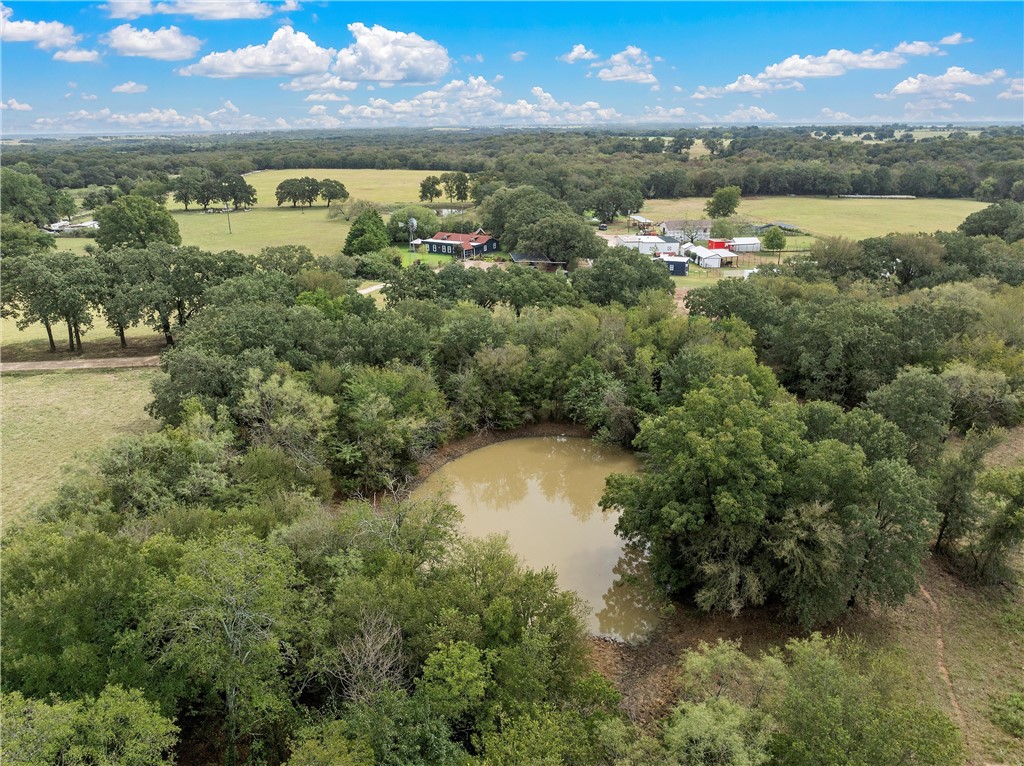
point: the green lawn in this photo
(826, 216)
(52, 419)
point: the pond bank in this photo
(460, 447)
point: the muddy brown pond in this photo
(543, 494)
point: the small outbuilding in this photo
(678, 266)
(705, 258)
(745, 245)
(718, 244)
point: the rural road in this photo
(81, 364)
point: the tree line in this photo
(572, 165)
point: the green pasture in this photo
(829, 216)
(267, 224)
(51, 420)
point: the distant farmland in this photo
(830, 216)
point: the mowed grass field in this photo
(829, 216)
(50, 420)
(268, 225)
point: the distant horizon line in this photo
(559, 128)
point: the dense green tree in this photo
(64, 205)
(70, 602)
(132, 221)
(367, 235)
(225, 621)
(332, 190)
(19, 238)
(919, 403)
(430, 188)
(724, 202)
(23, 196)
(427, 223)
(774, 241)
(621, 275)
(842, 707)
(456, 186)
(1004, 219)
(118, 298)
(981, 398)
(118, 728)
(736, 508)
(186, 188)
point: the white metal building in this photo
(649, 244)
(745, 245)
(707, 259)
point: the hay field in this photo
(828, 216)
(52, 419)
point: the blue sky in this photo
(134, 66)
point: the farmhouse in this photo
(461, 245)
(684, 230)
(649, 244)
(745, 245)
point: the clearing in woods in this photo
(267, 224)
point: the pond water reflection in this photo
(543, 494)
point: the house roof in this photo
(677, 223)
(702, 252)
(646, 239)
(746, 241)
(479, 237)
(674, 258)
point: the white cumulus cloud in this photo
(1014, 90)
(89, 97)
(918, 48)
(384, 55)
(830, 114)
(957, 38)
(207, 10)
(287, 54)
(14, 105)
(579, 52)
(165, 44)
(952, 79)
(517, 55)
(77, 56)
(750, 114)
(746, 83)
(628, 65)
(130, 87)
(323, 81)
(325, 97)
(475, 101)
(45, 34)
(832, 64)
